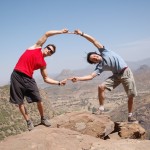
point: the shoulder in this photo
(34, 47)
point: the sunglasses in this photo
(51, 51)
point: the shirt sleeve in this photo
(98, 70)
(101, 49)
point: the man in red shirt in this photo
(22, 82)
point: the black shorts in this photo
(23, 86)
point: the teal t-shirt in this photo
(110, 62)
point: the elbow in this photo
(93, 40)
(47, 34)
(91, 77)
(45, 79)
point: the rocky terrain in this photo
(81, 96)
(80, 131)
(11, 121)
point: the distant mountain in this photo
(137, 64)
(65, 73)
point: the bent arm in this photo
(43, 39)
(46, 78)
(89, 38)
(49, 80)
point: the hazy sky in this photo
(121, 25)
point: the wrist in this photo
(82, 34)
(59, 83)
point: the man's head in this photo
(49, 50)
(93, 58)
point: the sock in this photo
(101, 108)
(129, 114)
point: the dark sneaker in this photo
(132, 119)
(30, 125)
(45, 122)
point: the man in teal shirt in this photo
(109, 61)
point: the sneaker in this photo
(132, 119)
(30, 125)
(98, 112)
(45, 122)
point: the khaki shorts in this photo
(127, 80)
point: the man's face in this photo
(95, 58)
(49, 50)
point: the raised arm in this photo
(49, 80)
(43, 39)
(89, 38)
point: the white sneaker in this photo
(131, 119)
(99, 112)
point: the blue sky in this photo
(121, 25)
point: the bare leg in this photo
(44, 121)
(23, 111)
(101, 94)
(130, 109)
(40, 108)
(130, 104)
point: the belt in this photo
(122, 71)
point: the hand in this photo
(73, 79)
(77, 32)
(64, 30)
(63, 82)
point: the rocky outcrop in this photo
(99, 126)
(43, 138)
(130, 130)
(79, 131)
(85, 123)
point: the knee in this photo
(20, 105)
(40, 103)
(130, 98)
(101, 87)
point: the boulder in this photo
(47, 138)
(85, 123)
(130, 130)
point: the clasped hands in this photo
(77, 31)
(73, 79)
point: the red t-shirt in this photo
(29, 61)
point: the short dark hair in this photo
(54, 47)
(88, 57)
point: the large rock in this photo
(130, 130)
(85, 123)
(43, 138)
